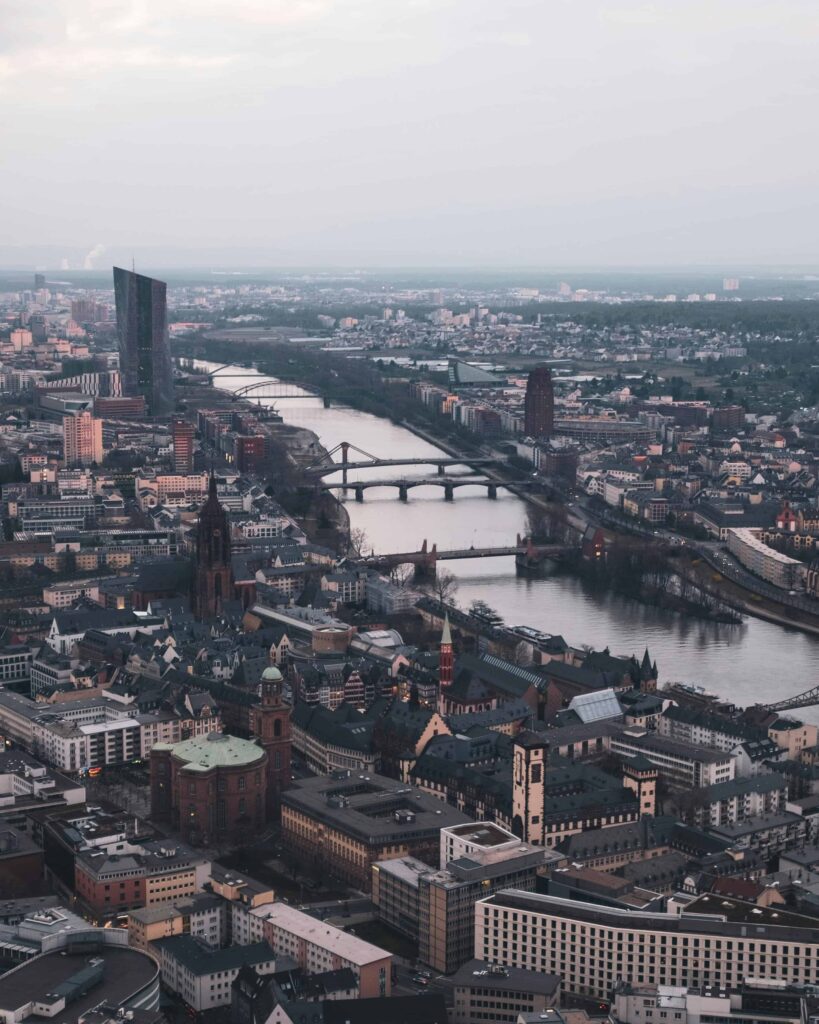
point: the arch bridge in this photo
(449, 484)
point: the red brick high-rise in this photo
(182, 435)
(212, 576)
(270, 725)
(539, 406)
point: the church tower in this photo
(212, 577)
(270, 725)
(445, 668)
(445, 655)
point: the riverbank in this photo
(322, 516)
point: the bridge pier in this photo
(345, 458)
(449, 492)
(403, 492)
(359, 494)
(492, 491)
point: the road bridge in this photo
(449, 484)
(342, 467)
(426, 558)
(327, 465)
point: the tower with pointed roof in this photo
(648, 674)
(445, 655)
(212, 577)
(445, 666)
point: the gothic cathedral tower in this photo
(212, 577)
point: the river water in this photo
(749, 663)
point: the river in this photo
(749, 663)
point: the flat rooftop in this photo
(126, 972)
(484, 834)
(326, 936)
(731, 917)
(477, 974)
(365, 807)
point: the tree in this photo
(442, 586)
(482, 610)
(401, 575)
(358, 540)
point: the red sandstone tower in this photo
(213, 579)
(270, 724)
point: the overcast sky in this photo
(410, 132)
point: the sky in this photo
(409, 132)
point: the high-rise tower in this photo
(539, 407)
(182, 434)
(82, 439)
(212, 577)
(144, 352)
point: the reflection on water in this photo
(754, 662)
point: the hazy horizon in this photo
(431, 133)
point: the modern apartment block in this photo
(715, 941)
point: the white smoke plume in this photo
(94, 254)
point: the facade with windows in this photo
(715, 941)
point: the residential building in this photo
(715, 940)
(201, 915)
(82, 439)
(773, 566)
(203, 977)
(317, 946)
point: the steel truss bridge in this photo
(806, 699)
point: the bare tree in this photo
(401, 575)
(442, 586)
(358, 541)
